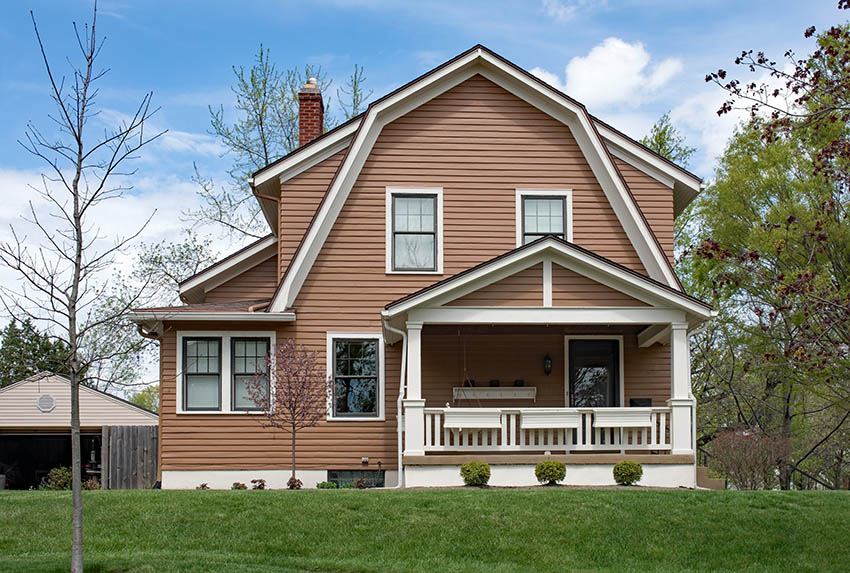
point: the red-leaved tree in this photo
(292, 392)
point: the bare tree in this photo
(295, 397)
(58, 271)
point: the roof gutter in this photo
(221, 316)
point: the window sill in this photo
(414, 272)
(219, 412)
(355, 419)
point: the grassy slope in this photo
(455, 530)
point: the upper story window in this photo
(355, 364)
(414, 230)
(202, 373)
(216, 368)
(543, 212)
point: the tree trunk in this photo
(785, 465)
(293, 451)
(76, 481)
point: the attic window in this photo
(542, 212)
(46, 403)
(414, 230)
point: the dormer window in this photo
(543, 212)
(414, 230)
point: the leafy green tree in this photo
(24, 352)
(147, 398)
(666, 140)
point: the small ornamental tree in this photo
(295, 396)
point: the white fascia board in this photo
(592, 267)
(219, 274)
(555, 105)
(305, 158)
(220, 316)
(369, 129)
(533, 315)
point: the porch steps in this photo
(706, 482)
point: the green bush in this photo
(59, 478)
(550, 473)
(627, 472)
(326, 485)
(475, 473)
(347, 485)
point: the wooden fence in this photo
(128, 457)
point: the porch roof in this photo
(564, 253)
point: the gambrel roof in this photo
(478, 60)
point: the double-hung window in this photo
(413, 230)
(249, 372)
(541, 213)
(355, 365)
(202, 373)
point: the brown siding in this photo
(655, 200)
(572, 289)
(647, 372)
(525, 288)
(299, 198)
(479, 143)
(258, 282)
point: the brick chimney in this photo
(311, 112)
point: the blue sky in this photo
(627, 61)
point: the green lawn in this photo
(490, 530)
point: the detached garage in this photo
(35, 432)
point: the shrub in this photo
(294, 483)
(258, 484)
(91, 484)
(475, 473)
(59, 478)
(360, 483)
(238, 485)
(748, 458)
(628, 472)
(326, 485)
(550, 472)
(203, 486)
(347, 485)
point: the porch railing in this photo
(546, 429)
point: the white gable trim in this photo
(194, 288)
(560, 253)
(477, 61)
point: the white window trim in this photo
(620, 382)
(226, 374)
(388, 206)
(329, 355)
(567, 194)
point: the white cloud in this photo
(566, 10)
(614, 73)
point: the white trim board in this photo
(476, 61)
(329, 355)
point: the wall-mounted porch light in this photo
(547, 364)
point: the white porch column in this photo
(681, 403)
(414, 405)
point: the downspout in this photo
(401, 390)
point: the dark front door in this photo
(594, 373)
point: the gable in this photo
(569, 288)
(19, 406)
(524, 288)
(258, 282)
(555, 105)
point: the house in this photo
(497, 262)
(35, 427)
